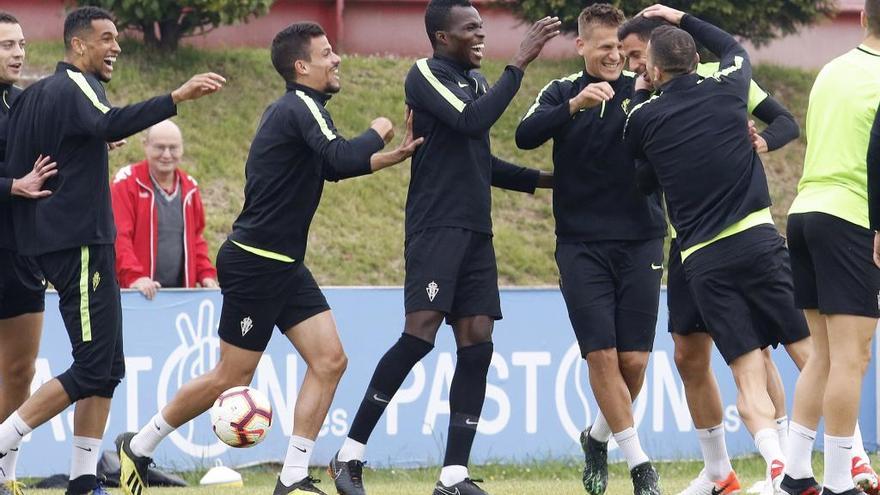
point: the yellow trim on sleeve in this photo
(80, 81)
(537, 103)
(265, 253)
(316, 113)
(754, 219)
(447, 95)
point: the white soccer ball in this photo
(241, 417)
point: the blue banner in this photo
(538, 398)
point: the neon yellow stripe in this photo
(80, 81)
(759, 217)
(631, 112)
(737, 65)
(448, 95)
(537, 103)
(316, 113)
(85, 318)
(264, 253)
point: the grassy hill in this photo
(357, 235)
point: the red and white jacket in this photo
(137, 233)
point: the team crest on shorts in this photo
(96, 279)
(246, 324)
(432, 290)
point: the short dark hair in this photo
(79, 20)
(641, 26)
(294, 43)
(7, 18)
(872, 14)
(603, 14)
(437, 16)
(673, 50)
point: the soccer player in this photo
(693, 344)
(609, 238)
(830, 236)
(21, 286)
(264, 279)
(70, 233)
(694, 140)
(450, 261)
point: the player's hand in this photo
(758, 141)
(198, 86)
(210, 283)
(147, 286)
(116, 144)
(31, 185)
(877, 249)
(643, 82)
(384, 128)
(667, 13)
(591, 96)
(540, 33)
(408, 146)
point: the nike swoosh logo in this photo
(656, 267)
(379, 399)
(13, 450)
(444, 490)
(847, 448)
(83, 448)
(16, 430)
(299, 449)
(157, 426)
(463, 85)
(719, 490)
(472, 423)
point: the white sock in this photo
(84, 456)
(7, 463)
(767, 442)
(859, 446)
(600, 430)
(296, 464)
(351, 450)
(12, 431)
(838, 461)
(799, 456)
(782, 432)
(628, 441)
(144, 443)
(714, 449)
(451, 475)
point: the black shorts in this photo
(260, 294)
(833, 267)
(743, 288)
(684, 316)
(453, 271)
(612, 291)
(22, 286)
(91, 309)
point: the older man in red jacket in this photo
(160, 219)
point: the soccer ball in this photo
(241, 417)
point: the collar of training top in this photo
(451, 63)
(681, 82)
(315, 94)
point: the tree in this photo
(165, 22)
(756, 20)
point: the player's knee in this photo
(475, 358)
(18, 373)
(603, 360)
(226, 376)
(331, 365)
(689, 366)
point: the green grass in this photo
(357, 235)
(551, 477)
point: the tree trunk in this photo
(170, 33)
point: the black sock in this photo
(82, 485)
(388, 377)
(466, 396)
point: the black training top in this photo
(873, 160)
(67, 116)
(595, 197)
(8, 94)
(295, 149)
(452, 171)
(695, 140)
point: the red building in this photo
(397, 27)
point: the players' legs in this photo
(693, 359)
(317, 342)
(467, 392)
(849, 354)
(19, 344)
(776, 390)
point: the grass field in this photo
(557, 478)
(357, 235)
